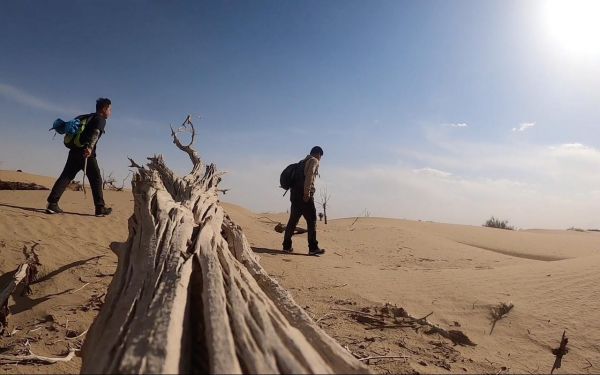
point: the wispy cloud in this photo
(541, 178)
(17, 95)
(432, 172)
(457, 125)
(524, 126)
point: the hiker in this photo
(303, 203)
(76, 160)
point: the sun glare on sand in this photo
(574, 25)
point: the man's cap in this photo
(316, 151)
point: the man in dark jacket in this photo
(77, 158)
(303, 203)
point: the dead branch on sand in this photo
(16, 185)
(559, 352)
(280, 228)
(26, 272)
(189, 296)
(383, 356)
(34, 358)
(78, 289)
(499, 312)
(390, 316)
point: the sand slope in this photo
(456, 272)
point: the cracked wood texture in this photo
(189, 295)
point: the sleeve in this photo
(94, 131)
(98, 123)
(310, 171)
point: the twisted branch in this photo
(187, 126)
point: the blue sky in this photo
(433, 110)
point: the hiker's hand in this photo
(306, 197)
(87, 152)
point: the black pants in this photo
(75, 163)
(308, 210)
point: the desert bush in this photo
(497, 223)
(576, 229)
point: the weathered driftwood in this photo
(34, 358)
(280, 228)
(380, 319)
(19, 275)
(16, 185)
(190, 296)
(26, 273)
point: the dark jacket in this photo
(93, 131)
(308, 168)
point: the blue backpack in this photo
(72, 130)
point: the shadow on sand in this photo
(42, 210)
(64, 268)
(25, 302)
(262, 250)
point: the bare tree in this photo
(323, 199)
(107, 180)
(110, 182)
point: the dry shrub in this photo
(497, 223)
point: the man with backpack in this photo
(302, 192)
(83, 151)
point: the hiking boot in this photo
(103, 211)
(288, 250)
(316, 251)
(53, 209)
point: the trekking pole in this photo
(84, 174)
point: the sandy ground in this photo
(457, 273)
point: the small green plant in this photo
(497, 223)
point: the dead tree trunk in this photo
(189, 295)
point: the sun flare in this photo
(574, 25)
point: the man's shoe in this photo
(103, 211)
(316, 252)
(288, 250)
(53, 209)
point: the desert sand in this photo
(456, 272)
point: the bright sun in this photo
(574, 25)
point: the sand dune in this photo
(457, 272)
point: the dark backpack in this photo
(290, 175)
(72, 130)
